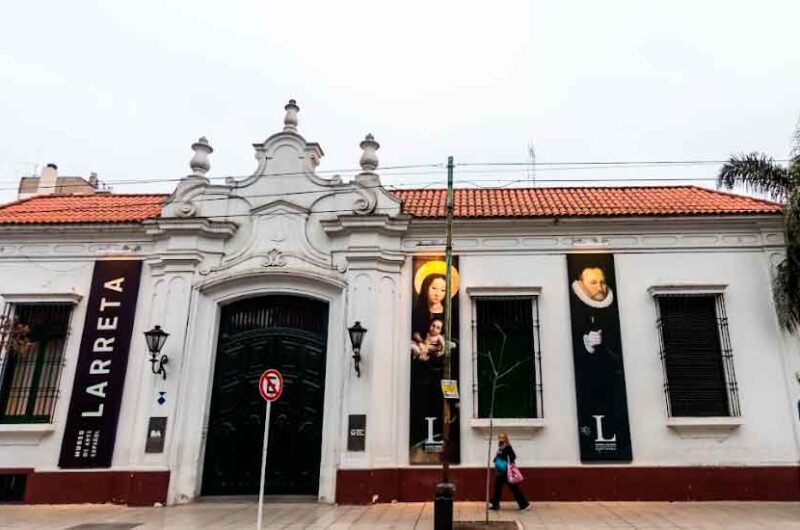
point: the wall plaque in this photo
(356, 432)
(156, 432)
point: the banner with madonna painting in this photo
(427, 361)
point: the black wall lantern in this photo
(356, 337)
(156, 338)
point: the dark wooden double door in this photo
(283, 332)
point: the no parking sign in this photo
(270, 386)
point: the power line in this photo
(541, 166)
(332, 172)
(603, 163)
(466, 171)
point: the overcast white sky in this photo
(124, 88)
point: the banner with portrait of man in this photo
(603, 428)
(427, 351)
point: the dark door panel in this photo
(289, 334)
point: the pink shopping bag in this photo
(514, 474)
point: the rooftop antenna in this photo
(532, 164)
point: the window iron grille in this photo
(517, 313)
(31, 366)
(696, 355)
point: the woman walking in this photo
(504, 457)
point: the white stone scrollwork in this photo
(367, 200)
(274, 258)
(185, 209)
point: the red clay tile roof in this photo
(469, 203)
(102, 208)
(582, 202)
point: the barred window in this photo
(31, 360)
(506, 331)
(696, 355)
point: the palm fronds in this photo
(758, 173)
(761, 174)
(786, 294)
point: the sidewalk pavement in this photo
(242, 515)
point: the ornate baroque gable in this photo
(280, 217)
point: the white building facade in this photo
(271, 271)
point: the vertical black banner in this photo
(102, 362)
(427, 362)
(603, 428)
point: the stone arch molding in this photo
(192, 421)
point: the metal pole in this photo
(263, 468)
(448, 317)
(443, 505)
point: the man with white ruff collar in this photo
(591, 289)
(600, 378)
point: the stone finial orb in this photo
(290, 120)
(369, 158)
(199, 162)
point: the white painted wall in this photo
(52, 262)
(526, 256)
(764, 360)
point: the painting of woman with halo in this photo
(427, 360)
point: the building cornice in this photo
(382, 224)
(166, 227)
(524, 236)
(47, 231)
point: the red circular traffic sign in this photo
(270, 385)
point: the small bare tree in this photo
(497, 375)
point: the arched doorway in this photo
(284, 332)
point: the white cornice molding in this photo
(587, 226)
(718, 428)
(263, 276)
(41, 297)
(686, 289)
(382, 224)
(524, 239)
(280, 206)
(47, 231)
(176, 261)
(519, 428)
(165, 227)
(374, 259)
(24, 433)
(486, 291)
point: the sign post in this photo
(270, 386)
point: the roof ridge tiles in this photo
(583, 201)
